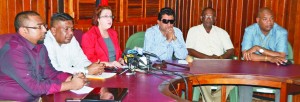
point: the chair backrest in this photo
(290, 53)
(78, 35)
(136, 40)
(4, 38)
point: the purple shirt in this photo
(26, 72)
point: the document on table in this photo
(83, 90)
(182, 62)
(104, 75)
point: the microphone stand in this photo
(173, 73)
(186, 84)
(187, 68)
(131, 70)
(176, 74)
(177, 65)
(148, 63)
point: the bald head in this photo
(265, 20)
(208, 18)
(22, 18)
(263, 11)
(208, 9)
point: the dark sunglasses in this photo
(167, 21)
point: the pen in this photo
(73, 100)
(124, 71)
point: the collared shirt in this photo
(276, 40)
(67, 57)
(156, 43)
(216, 42)
(26, 72)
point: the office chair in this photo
(290, 57)
(136, 40)
(78, 35)
(4, 38)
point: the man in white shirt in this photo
(64, 50)
(207, 41)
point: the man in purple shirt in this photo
(26, 72)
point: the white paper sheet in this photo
(182, 62)
(83, 90)
(104, 75)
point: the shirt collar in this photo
(27, 43)
(52, 39)
(203, 29)
(160, 33)
(270, 33)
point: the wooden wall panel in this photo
(235, 15)
(11, 6)
(189, 12)
(9, 9)
(131, 16)
(26, 7)
(296, 35)
(232, 15)
(125, 30)
(290, 19)
(52, 7)
(238, 26)
(3, 17)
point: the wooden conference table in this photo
(156, 88)
(142, 87)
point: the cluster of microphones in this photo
(138, 57)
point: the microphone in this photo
(146, 53)
(177, 65)
(130, 57)
(151, 54)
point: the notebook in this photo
(94, 95)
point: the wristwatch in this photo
(261, 50)
(86, 71)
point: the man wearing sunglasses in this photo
(164, 39)
(207, 41)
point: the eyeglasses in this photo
(165, 21)
(206, 17)
(69, 28)
(112, 17)
(38, 27)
